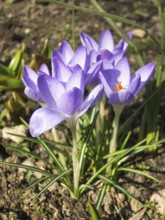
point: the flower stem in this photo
(75, 160)
(113, 142)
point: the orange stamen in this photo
(118, 86)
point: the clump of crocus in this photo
(62, 89)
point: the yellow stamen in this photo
(118, 86)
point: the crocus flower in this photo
(105, 48)
(120, 85)
(30, 81)
(64, 99)
(67, 57)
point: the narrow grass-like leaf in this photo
(117, 186)
(124, 151)
(126, 140)
(101, 196)
(127, 169)
(93, 212)
(85, 186)
(52, 182)
(52, 154)
(37, 141)
(25, 153)
(27, 168)
(92, 178)
(37, 182)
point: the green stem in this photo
(75, 160)
(100, 120)
(113, 142)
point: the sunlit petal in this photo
(44, 119)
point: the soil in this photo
(29, 24)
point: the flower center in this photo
(118, 86)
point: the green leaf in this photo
(27, 168)
(16, 62)
(4, 71)
(119, 187)
(37, 182)
(46, 50)
(11, 84)
(25, 152)
(37, 141)
(127, 169)
(93, 211)
(52, 182)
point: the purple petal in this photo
(44, 119)
(44, 69)
(122, 45)
(105, 54)
(106, 81)
(93, 73)
(91, 99)
(66, 51)
(122, 97)
(107, 65)
(79, 57)
(134, 85)
(62, 71)
(125, 73)
(34, 95)
(50, 89)
(76, 80)
(55, 54)
(30, 78)
(88, 42)
(93, 57)
(70, 102)
(146, 73)
(117, 57)
(106, 41)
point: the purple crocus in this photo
(105, 48)
(120, 85)
(67, 57)
(71, 58)
(64, 99)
